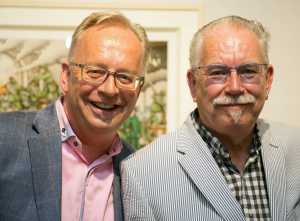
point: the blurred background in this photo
(34, 38)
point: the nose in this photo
(108, 87)
(234, 86)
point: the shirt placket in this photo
(245, 184)
(84, 189)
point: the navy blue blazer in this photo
(30, 167)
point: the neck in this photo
(238, 150)
(237, 142)
(92, 151)
(94, 144)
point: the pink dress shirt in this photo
(86, 187)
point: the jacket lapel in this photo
(275, 171)
(45, 155)
(197, 161)
(118, 207)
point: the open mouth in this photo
(103, 106)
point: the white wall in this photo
(282, 19)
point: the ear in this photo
(64, 77)
(269, 80)
(192, 83)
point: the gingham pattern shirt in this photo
(249, 187)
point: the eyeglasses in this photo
(96, 75)
(219, 73)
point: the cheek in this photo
(258, 91)
(86, 90)
(205, 92)
(129, 97)
(213, 91)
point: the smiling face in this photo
(232, 46)
(97, 110)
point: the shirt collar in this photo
(66, 130)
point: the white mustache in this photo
(230, 100)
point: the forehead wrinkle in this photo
(231, 48)
(115, 48)
(111, 48)
(235, 45)
(108, 46)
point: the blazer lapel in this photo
(118, 207)
(275, 171)
(45, 155)
(196, 159)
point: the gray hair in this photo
(252, 25)
(111, 18)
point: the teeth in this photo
(103, 106)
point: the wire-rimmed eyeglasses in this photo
(96, 75)
(219, 73)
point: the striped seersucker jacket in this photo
(176, 178)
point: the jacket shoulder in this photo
(281, 132)
(284, 137)
(15, 123)
(16, 115)
(161, 148)
(129, 149)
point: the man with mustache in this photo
(223, 163)
(62, 163)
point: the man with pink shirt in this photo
(62, 163)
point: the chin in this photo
(242, 126)
(98, 125)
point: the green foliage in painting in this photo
(140, 131)
(131, 131)
(40, 91)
